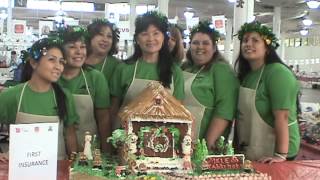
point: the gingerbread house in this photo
(158, 128)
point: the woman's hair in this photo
(165, 61)
(95, 28)
(178, 50)
(36, 52)
(204, 27)
(71, 34)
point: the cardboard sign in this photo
(33, 150)
(225, 162)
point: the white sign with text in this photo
(33, 150)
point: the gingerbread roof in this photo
(155, 103)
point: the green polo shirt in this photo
(34, 103)
(109, 67)
(123, 76)
(216, 88)
(97, 85)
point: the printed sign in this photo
(219, 23)
(33, 150)
(45, 27)
(225, 162)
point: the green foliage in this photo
(220, 146)
(264, 31)
(176, 135)
(70, 33)
(204, 27)
(118, 136)
(229, 149)
(200, 153)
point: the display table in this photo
(289, 170)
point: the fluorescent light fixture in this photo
(304, 32)
(232, 1)
(77, 6)
(313, 4)
(66, 6)
(307, 22)
(45, 5)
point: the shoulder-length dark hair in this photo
(95, 28)
(35, 53)
(165, 61)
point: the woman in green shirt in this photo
(101, 45)
(40, 99)
(151, 61)
(267, 128)
(210, 84)
(88, 86)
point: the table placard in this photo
(223, 162)
(33, 151)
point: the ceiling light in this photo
(232, 1)
(313, 4)
(304, 32)
(307, 22)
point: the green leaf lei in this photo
(161, 17)
(204, 26)
(64, 32)
(266, 33)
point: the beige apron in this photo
(25, 118)
(256, 138)
(192, 104)
(104, 63)
(85, 109)
(136, 86)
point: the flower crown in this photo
(266, 33)
(114, 28)
(39, 48)
(65, 33)
(204, 26)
